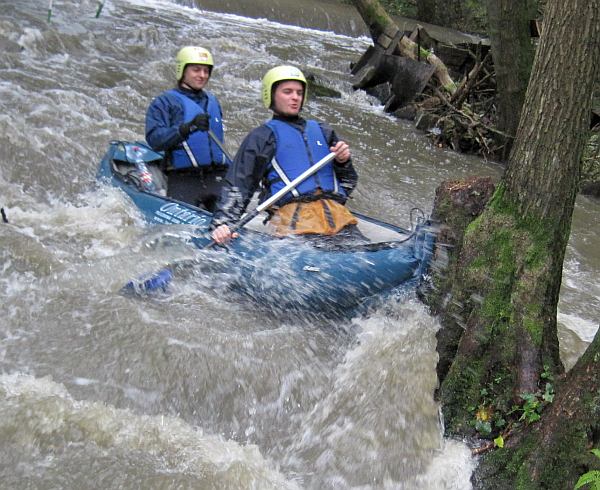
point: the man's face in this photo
(196, 76)
(287, 98)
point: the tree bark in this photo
(426, 10)
(512, 51)
(377, 19)
(504, 293)
(450, 13)
(553, 132)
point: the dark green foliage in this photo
(471, 16)
(405, 8)
(591, 478)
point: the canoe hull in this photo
(291, 274)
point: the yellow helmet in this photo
(279, 74)
(192, 55)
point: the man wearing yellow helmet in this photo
(274, 154)
(184, 122)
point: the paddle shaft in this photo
(100, 5)
(278, 195)
(220, 145)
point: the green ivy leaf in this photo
(528, 397)
(592, 477)
(499, 442)
(548, 395)
(484, 428)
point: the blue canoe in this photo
(285, 274)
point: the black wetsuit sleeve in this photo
(243, 178)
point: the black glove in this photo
(199, 123)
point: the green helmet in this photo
(192, 55)
(279, 74)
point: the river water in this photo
(190, 389)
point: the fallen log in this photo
(386, 34)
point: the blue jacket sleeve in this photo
(163, 118)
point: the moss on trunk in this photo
(500, 285)
(553, 453)
(456, 204)
(496, 281)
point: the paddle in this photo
(100, 5)
(160, 279)
(220, 145)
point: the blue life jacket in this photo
(199, 150)
(295, 152)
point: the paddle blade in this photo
(149, 283)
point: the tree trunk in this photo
(509, 270)
(450, 13)
(426, 10)
(553, 132)
(512, 51)
(377, 19)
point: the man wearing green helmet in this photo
(274, 154)
(184, 123)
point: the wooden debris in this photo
(403, 78)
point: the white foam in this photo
(585, 329)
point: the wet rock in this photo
(317, 87)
